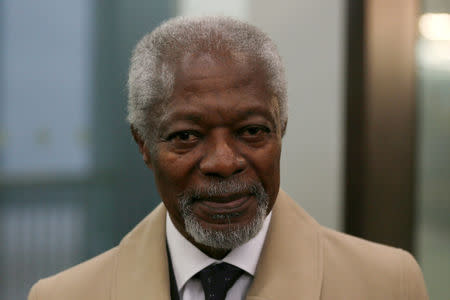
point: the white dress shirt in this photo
(187, 260)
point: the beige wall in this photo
(310, 36)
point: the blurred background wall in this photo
(433, 145)
(72, 182)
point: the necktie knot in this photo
(217, 279)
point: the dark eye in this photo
(253, 130)
(254, 133)
(185, 136)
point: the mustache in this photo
(221, 188)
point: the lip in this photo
(218, 210)
(225, 204)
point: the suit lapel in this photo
(291, 261)
(142, 266)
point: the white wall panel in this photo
(310, 35)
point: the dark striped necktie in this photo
(217, 279)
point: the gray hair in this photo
(151, 75)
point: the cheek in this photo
(172, 170)
(171, 177)
(267, 166)
(266, 163)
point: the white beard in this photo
(234, 235)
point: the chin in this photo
(229, 224)
(227, 235)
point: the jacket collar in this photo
(142, 270)
(291, 262)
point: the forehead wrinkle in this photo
(206, 84)
(254, 112)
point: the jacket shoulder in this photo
(91, 279)
(383, 271)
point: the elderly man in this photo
(207, 108)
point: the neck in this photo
(212, 252)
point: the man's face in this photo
(216, 161)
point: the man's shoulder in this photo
(369, 266)
(342, 244)
(346, 256)
(91, 279)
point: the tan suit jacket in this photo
(300, 260)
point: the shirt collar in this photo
(188, 260)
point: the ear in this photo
(142, 147)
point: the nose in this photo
(221, 158)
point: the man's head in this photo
(207, 106)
